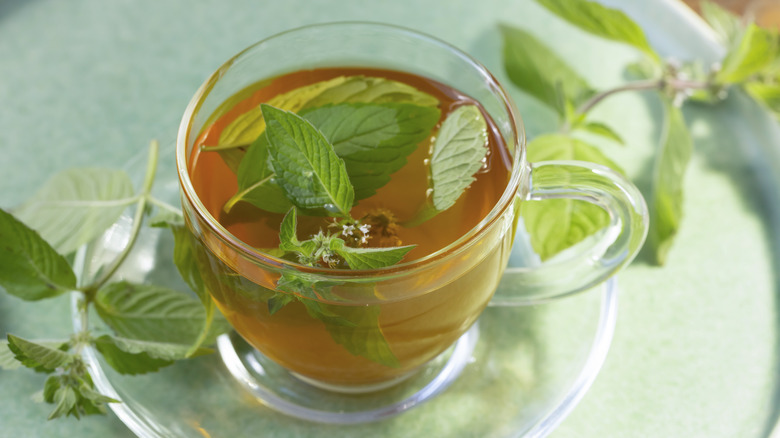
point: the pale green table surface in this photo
(90, 82)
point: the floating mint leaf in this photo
(366, 89)
(132, 356)
(38, 356)
(29, 267)
(373, 139)
(154, 313)
(755, 51)
(458, 153)
(602, 130)
(538, 71)
(250, 125)
(369, 258)
(305, 164)
(247, 127)
(255, 181)
(602, 21)
(77, 205)
(557, 224)
(671, 161)
(288, 238)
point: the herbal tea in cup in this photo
(351, 191)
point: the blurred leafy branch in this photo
(751, 63)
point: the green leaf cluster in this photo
(151, 326)
(555, 225)
(752, 62)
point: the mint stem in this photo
(672, 83)
(144, 198)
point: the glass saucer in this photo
(527, 368)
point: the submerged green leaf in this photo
(306, 166)
(29, 267)
(602, 21)
(357, 329)
(537, 70)
(369, 258)
(671, 161)
(342, 89)
(557, 224)
(77, 205)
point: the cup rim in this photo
(519, 170)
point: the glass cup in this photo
(418, 308)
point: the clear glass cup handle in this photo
(597, 258)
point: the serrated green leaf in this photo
(601, 21)
(278, 301)
(8, 358)
(255, 181)
(306, 166)
(357, 329)
(77, 205)
(288, 237)
(29, 267)
(354, 327)
(153, 313)
(755, 51)
(538, 71)
(458, 152)
(132, 356)
(727, 25)
(250, 125)
(66, 400)
(369, 258)
(557, 224)
(671, 161)
(367, 89)
(373, 139)
(766, 94)
(50, 387)
(38, 356)
(602, 130)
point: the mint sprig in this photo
(152, 326)
(752, 62)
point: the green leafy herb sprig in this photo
(151, 326)
(751, 63)
(324, 159)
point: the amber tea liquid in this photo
(419, 315)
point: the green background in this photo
(89, 83)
